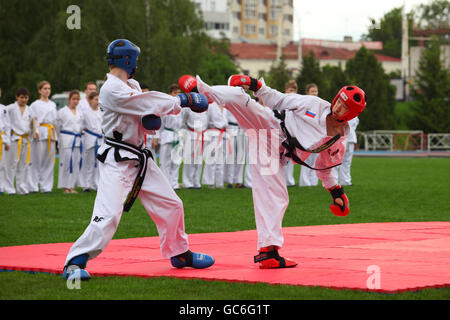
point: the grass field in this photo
(384, 190)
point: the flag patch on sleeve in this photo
(310, 114)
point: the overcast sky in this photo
(333, 19)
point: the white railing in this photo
(393, 140)
(438, 141)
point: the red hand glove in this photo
(241, 80)
(337, 209)
(188, 83)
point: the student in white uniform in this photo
(43, 149)
(4, 144)
(128, 169)
(308, 177)
(343, 172)
(234, 165)
(306, 124)
(92, 140)
(290, 87)
(88, 89)
(170, 143)
(215, 147)
(69, 126)
(20, 122)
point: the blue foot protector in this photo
(75, 268)
(192, 259)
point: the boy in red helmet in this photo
(301, 125)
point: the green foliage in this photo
(333, 79)
(431, 92)
(365, 71)
(278, 75)
(309, 72)
(433, 15)
(389, 31)
(38, 45)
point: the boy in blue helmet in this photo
(127, 170)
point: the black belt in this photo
(143, 155)
(291, 143)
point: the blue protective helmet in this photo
(123, 54)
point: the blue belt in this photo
(73, 147)
(98, 135)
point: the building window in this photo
(288, 17)
(235, 30)
(262, 16)
(287, 32)
(274, 30)
(250, 28)
(250, 9)
(262, 31)
(275, 13)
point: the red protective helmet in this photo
(354, 98)
(188, 83)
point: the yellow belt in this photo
(19, 147)
(51, 134)
(1, 145)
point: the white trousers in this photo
(16, 168)
(42, 168)
(89, 173)
(234, 166)
(169, 162)
(156, 195)
(289, 173)
(67, 179)
(270, 195)
(193, 160)
(215, 158)
(308, 177)
(342, 172)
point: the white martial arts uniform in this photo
(43, 149)
(19, 154)
(196, 125)
(170, 148)
(92, 139)
(234, 166)
(215, 147)
(270, 195)
(308, 177)
(342, 172)
(123, 106)
(5, 134)
(83, 105)
(69, 126)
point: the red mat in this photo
(383, 257)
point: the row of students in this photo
(28, 143)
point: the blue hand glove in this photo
(196, 101)
(151, 122)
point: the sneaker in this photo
(192, 259)
(269, 258)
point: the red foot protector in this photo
(383, 257)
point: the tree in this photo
(365, 71)
(431, 92)
(333, 79)
(434, 15)
(38, 45)
(278, 75)
(309, 72)
(389, 31)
